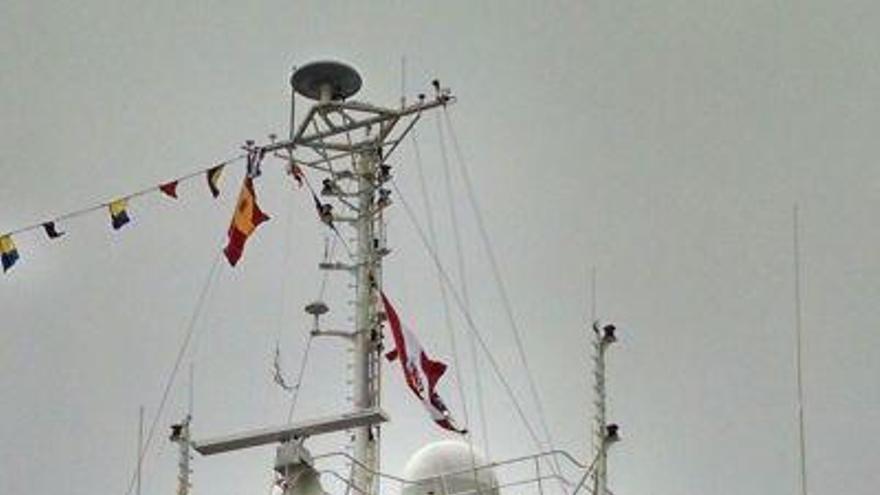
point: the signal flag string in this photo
(118, 209)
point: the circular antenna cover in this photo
(342, 80)
(448, 466)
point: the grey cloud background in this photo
(663, 142)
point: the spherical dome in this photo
(447, 468)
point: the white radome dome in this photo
(454, 461)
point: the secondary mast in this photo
(606, 433)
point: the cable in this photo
(496, 272)
(191, 326)
(299, 378)
(297, 386)
(453, 216)
(468, 319)
(432, 233)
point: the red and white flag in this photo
(420, 371)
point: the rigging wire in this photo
(496, 272)
(447, 315)
(278, 376)
(190, 330)
(462, 278)
(297, 385)
(508, 389)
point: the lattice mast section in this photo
(605, 433)
(348, 144)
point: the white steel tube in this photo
(184, 443)
(364, 349)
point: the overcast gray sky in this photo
(662, 142)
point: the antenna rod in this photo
(798, 351)
(192, 386)
(594, 319)
(593, 293)
(403, 81)
(140, 457)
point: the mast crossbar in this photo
(303, 139)
(279, 434)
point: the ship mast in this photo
(366, 372)
(347, 143)
(181, 436)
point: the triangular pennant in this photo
(169, 189)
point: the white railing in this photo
(554, 472)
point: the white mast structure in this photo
(180, 435)
(348, 143)
(606, 433)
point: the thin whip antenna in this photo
(140, 448)
(191, 391)
(798, 351)
(403, 81)
(593, 293)
(593, 318)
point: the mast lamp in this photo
(606, 331)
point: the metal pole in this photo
(798, 352)
(184, 443)
(600, 479)
(364, 379)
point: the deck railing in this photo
(554, 472)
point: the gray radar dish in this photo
(326, 80)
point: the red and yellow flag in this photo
(247, 218)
